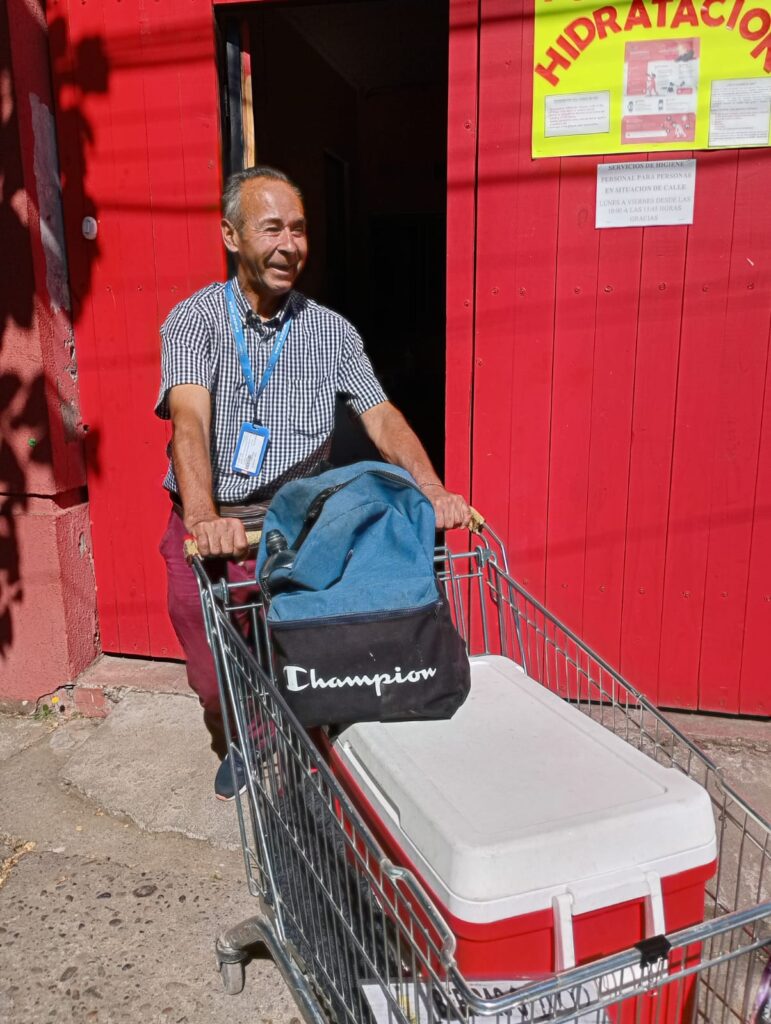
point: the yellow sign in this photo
(650, 75)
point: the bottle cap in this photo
(275, 541)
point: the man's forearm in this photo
(214, 535)
(192, 468)
(398, 443)
(190, 408)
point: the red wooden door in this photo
(137, 122)
(618, 384)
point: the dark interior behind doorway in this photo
(351, 100)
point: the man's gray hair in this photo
(231, 196)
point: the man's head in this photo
(263, 223)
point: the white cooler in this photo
(544, 839)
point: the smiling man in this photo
(250, 372)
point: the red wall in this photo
(621, 424)
(617, 434)
(48, 631)
(138, 123)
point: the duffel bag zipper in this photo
(313, 511)
(352, 618)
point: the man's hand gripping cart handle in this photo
(253, 536)
(191, 548)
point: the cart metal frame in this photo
(350, 930)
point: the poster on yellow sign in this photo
(650, 75)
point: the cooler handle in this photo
(564, 946)
(655, 923)
(562, 909)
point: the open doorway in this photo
(350, 99)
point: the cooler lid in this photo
(521, 797)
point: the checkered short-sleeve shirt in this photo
(323, 356)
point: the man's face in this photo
(271, 240)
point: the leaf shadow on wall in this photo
(25, 397)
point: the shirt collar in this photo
(250, 319)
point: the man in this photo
(249, 376)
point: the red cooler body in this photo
(544, 839)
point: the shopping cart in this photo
(356, 936)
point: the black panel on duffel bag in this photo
(409, 665)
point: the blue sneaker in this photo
(223, 780)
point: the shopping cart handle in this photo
(476, 522)
(191, 548)
(396, 873)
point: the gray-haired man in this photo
(250, 374)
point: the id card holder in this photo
(250, 449)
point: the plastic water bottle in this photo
(278, 563)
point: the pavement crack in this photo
(7, 866)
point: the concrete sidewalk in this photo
(118, 867)
(118, 870)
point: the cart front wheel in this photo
(233, 977)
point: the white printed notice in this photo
(578, 113)
(645, 193)
(740, 112)
(412, 1001)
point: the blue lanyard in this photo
(243, 355)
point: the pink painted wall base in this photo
(53, 621)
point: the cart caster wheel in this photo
(233, 976)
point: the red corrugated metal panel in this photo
(461, 202)
(615, 348)
(743, 358)
(754, 692)
(534, 232)
(500, 57)
(574, 321)
(696, 425)
(650, 459)
(573, 341)
(620, 392)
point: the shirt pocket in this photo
(312, 405)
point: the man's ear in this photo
(229, 235)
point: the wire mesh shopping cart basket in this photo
(356, 935)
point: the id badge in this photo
(250, 449)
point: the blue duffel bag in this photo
(360, 628)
